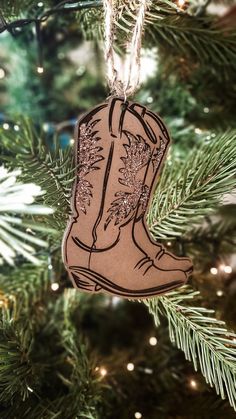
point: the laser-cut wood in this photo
(120, 147)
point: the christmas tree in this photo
(67, 354)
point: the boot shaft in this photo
(120, 147)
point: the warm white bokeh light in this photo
(103, 371)
(193, 384)
(2, 73)
(153, 341)
(130, 366)
(55, 286)
(228, 269)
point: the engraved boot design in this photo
(156, 251)
(102, 251)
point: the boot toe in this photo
(171, 262)
(163, 278)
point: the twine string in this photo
(130, 84)
(109, 40)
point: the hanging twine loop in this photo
(129, 85)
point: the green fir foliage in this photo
(50, 167)
(41, 352)
(204, 339)
(188, 191)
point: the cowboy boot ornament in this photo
(120, 148)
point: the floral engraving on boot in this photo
(138, 154)
(88, 157)
(159, 152)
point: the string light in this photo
(50, 267)
(193, 384)
(72, 141)
(115, 301)
(6, 125)
(206, 109)
(149, 99)
(40, 4)
(16, 127)
(181, 3)
(46, 126)
(198, 131)
(54, 286)
(103, 371)
(80, 71)
(228, 269)
(130, 366)
(214, 271)
(2, 73)
(168, 243)
(148, 371)
(59, 36)
(138, 415)
(219, 293)
(30, 231)
(153, 341)
(40, 70)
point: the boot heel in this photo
(84, 283)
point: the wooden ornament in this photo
(120, 147)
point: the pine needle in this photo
(204, 339)
(52, 169)
(188, 191)
(16, 199)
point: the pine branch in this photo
(209, 242)
(53, 170)
(188, 191)
(174, 29)
(167, 26)
(22, 288)
(220, 228)
(15, 343)
(204, 340)
(171, 29)
(19, 293)
(83, 388)
(15, 8)
(194, 38)
(16, 198)
(37, 13)
(44, 367)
